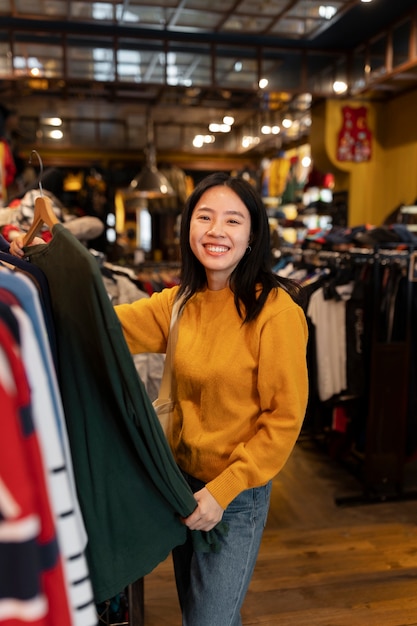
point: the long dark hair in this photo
(253, 279)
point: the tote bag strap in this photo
(165, 390)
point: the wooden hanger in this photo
(43, 213)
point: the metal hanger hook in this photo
(40, 168)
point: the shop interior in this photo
(114, 111)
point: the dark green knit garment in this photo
(130, 490)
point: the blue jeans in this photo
(212, 587)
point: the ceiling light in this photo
(228, 119)
(51, 121)
(219, 128)
(327, 11)
(56, 134)
(150, 182)
(266, 130)
(198, 141)
(263, 83)
(286, 122)
(248, 141)
(238, 66)
(339, 86)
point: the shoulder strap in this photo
(165, 390)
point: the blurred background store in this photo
(263, 89)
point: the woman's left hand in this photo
(16, 245)
(207, 514)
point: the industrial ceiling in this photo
(104, 68)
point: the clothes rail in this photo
(389, 389)
(369, 424)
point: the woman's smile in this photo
(216, 249)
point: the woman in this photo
(240, 386)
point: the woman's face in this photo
(220, 230)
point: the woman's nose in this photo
(215, 230)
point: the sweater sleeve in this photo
(283, 392)
(145, 322)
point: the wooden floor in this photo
(320, 564)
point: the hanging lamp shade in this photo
(150, 182)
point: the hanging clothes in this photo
(38, 279)
(373, 417)
(19, 301)
(131, 492)
(329, 318)
(36, 595)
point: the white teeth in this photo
(217, 248)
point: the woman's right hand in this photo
(16, 245)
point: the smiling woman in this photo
(240, 385)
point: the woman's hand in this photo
(16, 246)
(207, 514)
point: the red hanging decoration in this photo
(355, 138)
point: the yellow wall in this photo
(389, 179)
(398, 128)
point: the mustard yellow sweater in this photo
(241, 389)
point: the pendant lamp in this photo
(150, 182)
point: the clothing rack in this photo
(385, 453)
(382, 460)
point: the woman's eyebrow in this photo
(204, 208)
(229, 212)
